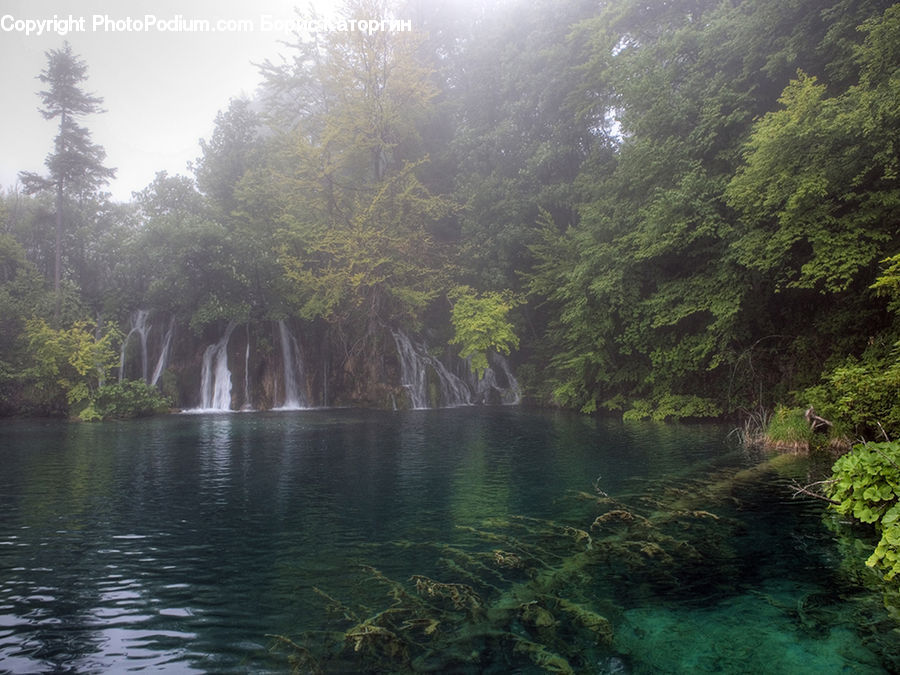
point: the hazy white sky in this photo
(161, 89)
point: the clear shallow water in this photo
(182, 543)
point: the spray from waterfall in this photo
(512, 394)
(429, 383)
(413, 374)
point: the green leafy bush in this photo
(867, 486)
(862, 396)
(68, 363)
(123, 400)
(672, 407)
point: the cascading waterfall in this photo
(412, 371)
(163, 360)
(215, 378)
(452, 391)
(247, 404)
(511, 394)
(415, 362)
(429, 381)
(293, 371)
(139, 326)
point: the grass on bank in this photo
(791, 430)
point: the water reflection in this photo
(214, 454)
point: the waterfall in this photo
(247, 404)
(418, 368)
(415, 362)
(454, 392)
(485, 388)
(412, 371)
(139, 326)
(163, 360)
(215, 378)
(512, 394)
(293, 367)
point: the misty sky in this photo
(161, 90)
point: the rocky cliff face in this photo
(295, 365)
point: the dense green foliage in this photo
(481, 325)
(698, 268)
(697, 202)
(862, 393)
(867, 486)
(127, 399)
(71, 362)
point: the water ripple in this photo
(177, 544)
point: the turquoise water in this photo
(184, 543)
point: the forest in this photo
(673, 210)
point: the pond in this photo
(462, 540)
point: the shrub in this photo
(131, 398)
(67, 363)
(867, 486)
(862, 395)
(672, 407)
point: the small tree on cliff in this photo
(481, 325)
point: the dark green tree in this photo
(355, 216)
(75, 167)
(182, 260)
(653, 306)
(512, 141)
(22, 289)
(230, 152)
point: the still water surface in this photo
(180, 544)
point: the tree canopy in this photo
(664, 210)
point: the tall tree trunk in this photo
(57, 261)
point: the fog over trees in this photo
(684, 209)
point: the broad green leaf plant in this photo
(867, 486)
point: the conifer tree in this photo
(75, 166)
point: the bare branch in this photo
(805, 490)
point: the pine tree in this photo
(76, 164)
